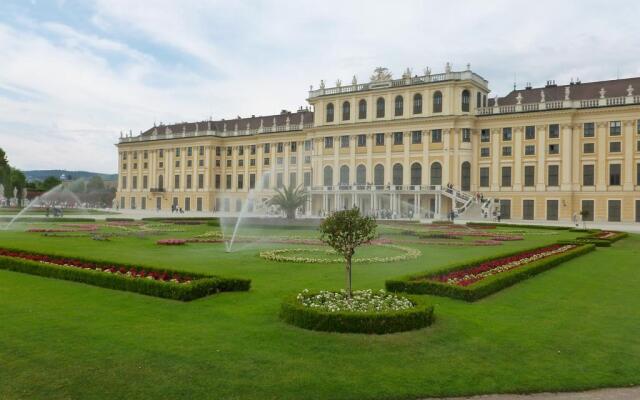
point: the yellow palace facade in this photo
(413, 147)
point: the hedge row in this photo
(160, 219)
(420, 283)
(116, 219)
(202, 285)
(301, 316)
(505, 225)
(50, 219)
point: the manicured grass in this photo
(573, 327)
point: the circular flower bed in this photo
(292, 255)
(367, 311)
(172, 242)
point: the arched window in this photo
(436, 173)
(479, 100)
(160, 182)
(437, 102)
(378, 175)
(397, 174)
(399, 106)
(417, 103)
(328, 176)
(362, 109)
(416, 174)
(466, 99)
(344, 175)
(346, 111)
(330, 112)
(361, 175)
(465, 176)
(380, 108)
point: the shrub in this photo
(421, 283)
(201, 285)
(50, 219)
(420, 316)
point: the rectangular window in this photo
(307, 145)
(554, 149)
(379, 139)
(252, 150)
(344, 141)
(416, 137)
(280, 147)
(267, 148)
(484, 152)
(552, 210)
(554, 131)
(201, 151)
(240, 150)
(199, 204)
(552, 176)
(279, 181)
(200, 181)
(505, 209)
(614, 174)
(588, 129)
(218, 163)
(178, 152)
(485, 135)
(638, 174)
(328, 142)
(187, 204)
(145, 182)
(588, 207)
(189, 163)
(241, 163)
(240, 182)
(279, 160)
(161, 153)
(229, 151)
(218, 151)
(294, 146)
(188, 181)
(466, 135)
(134, 182)
(176, 182)
(530, 150)
(529, 132)
(252, 181)
(293, 179)
(615, 208)
(217, 183)
(637, 210)
(189, 151)
(588, 178)
(307, 179)
(614, 147)
(238, 205)
(484, 176)
(507, 134)
(506, 177)
(160, 164)
(615, 128)
(436, 136)
(252, 162)
(266, 161)
(228, 182)
(506, 151)
(529, 175)
(307, 159)
(229, 163)
(528, 209)
(200, 163)
(145, 154)
(397, 138)
(177, 163)
(588, 148)
(362, 140)
(293, 160)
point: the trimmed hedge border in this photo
(304, 317)
(504, 225)
(114, 219)
(419, 283)
(50, 219)
(202, 285)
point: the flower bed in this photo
(286, 256)
(367, 312)
(171, 242)
(141, 279)
(476, 279)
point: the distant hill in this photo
(40, 175)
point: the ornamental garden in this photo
(348, 309)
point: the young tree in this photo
(344, 231)
(289, 199)
(584, 214)
(50, 182)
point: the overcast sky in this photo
(75, 73)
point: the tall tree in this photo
(50, 182)
(95, 184)
(19, 181)
(344, 231)
(289, 199)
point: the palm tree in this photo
(289, 199)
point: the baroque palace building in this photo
(414, 147)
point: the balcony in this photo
(157, 190)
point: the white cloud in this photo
(67, 89)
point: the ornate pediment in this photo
(381, 74)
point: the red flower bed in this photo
(171, 242)
(111, 269)
(468, 276)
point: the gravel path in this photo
(600, 394)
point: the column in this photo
(406, 170)
(629, 147)
(601, 150)
(517, 158)
(446, 140)
(495, 160)
(566, 150)
(541, 171)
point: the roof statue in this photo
(338, 82)
(380, 74)
(567, 93)
(321, 83)
(427, 71)
(519, 98)
(542, 100)
(630, 91)
(447, 67)
(407, 73)
(354, 81)
(602, 93)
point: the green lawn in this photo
(574, 327)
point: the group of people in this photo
(176, 209)
(53, 210)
